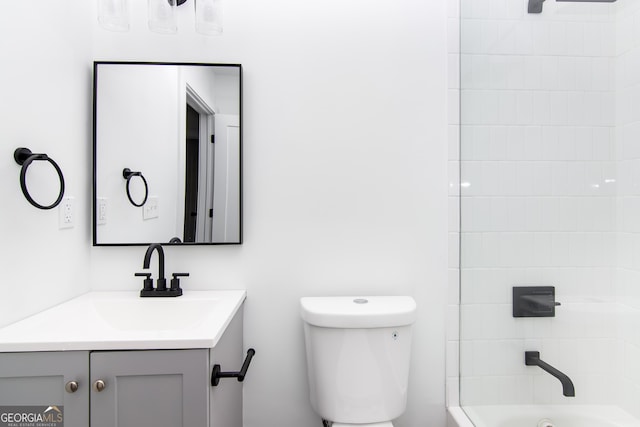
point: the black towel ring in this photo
(127, 174)
(24, 157)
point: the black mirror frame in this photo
(172, 242)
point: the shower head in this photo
(535, 6)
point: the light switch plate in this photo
(101, 214)
(66, 213)
(150, 208)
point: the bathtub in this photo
(540, 416)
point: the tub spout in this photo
(532, 358)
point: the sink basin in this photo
(124, 321)
(154, 314)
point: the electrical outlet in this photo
(66, 213)
(101, 214)
(150, 208)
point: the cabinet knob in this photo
(99, 385)
(71, 386)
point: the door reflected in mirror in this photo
(178, 127)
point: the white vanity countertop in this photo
(124, 321)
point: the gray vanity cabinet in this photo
(159, 388)
(163, 388)
(37, 382)
(132, 388)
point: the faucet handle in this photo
(147, 282)
(175, 282)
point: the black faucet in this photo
(161, 288)
(532, 358)
(161, 281)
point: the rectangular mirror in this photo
(167, 147)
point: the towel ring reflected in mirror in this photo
(128, 174)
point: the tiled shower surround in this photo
(549, 195)
(628, 203)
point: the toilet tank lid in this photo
(358, 311)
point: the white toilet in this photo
(358, 351)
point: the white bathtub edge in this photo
(457, 418)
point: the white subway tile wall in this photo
(627, 137)
(548, 149)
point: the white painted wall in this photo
(344, 179)
(45, 82)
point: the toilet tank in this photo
(358, 352)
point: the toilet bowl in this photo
(358, 352)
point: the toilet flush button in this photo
(361, 300)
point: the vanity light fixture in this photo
(162, 16)
(113, 15)
(208, 17)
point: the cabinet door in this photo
(164, 388)
(35, 383)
